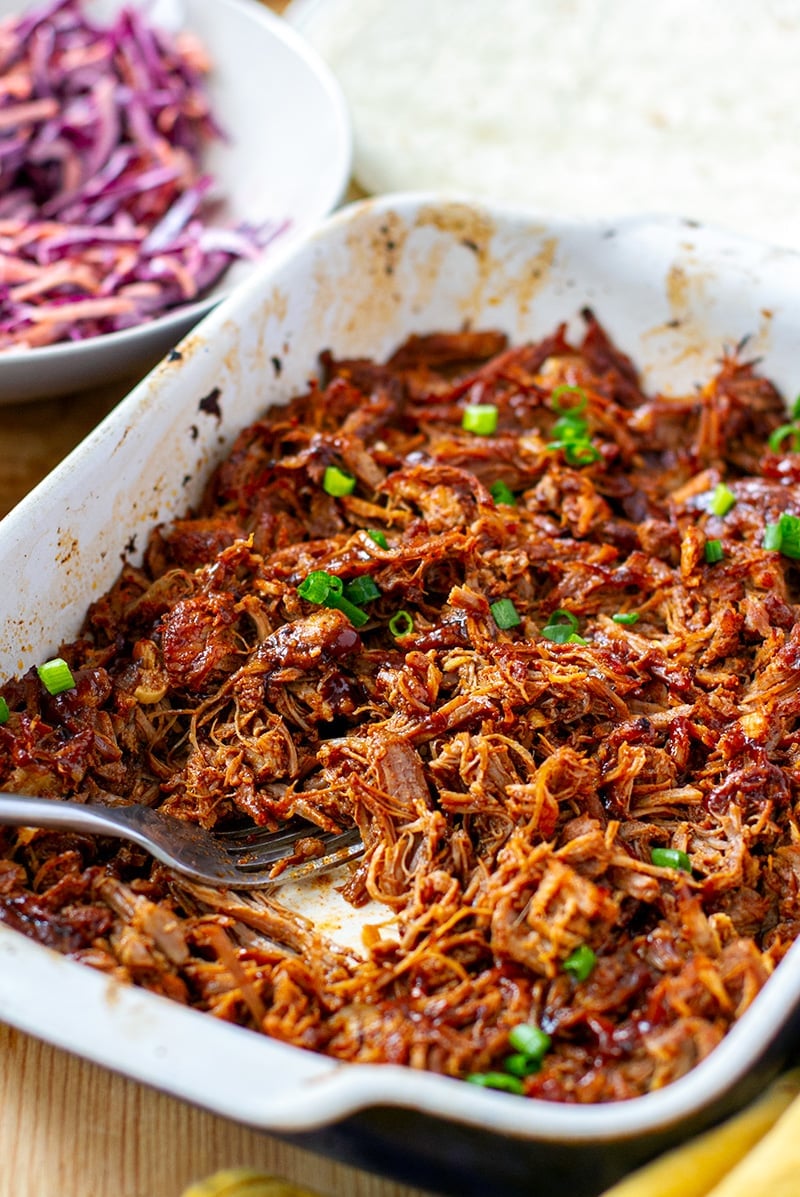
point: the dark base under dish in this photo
(454, 1160)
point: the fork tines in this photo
(254, 847)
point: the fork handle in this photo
(23, 810)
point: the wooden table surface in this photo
(72, 1129)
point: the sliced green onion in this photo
(521, 1065)
(558, 633)
(785, 432)
(784, 537)
(578, 451)
(316, 586)
(501, 494)
(772, 538)
(571, 431)
(401, 624)
(796, 409)
(570, 428)
(561, 615)
(722, 499)
(530, 1040)
(378, 537)
(504, 613)
(671, 858)
(497, 1080)
(626, 617)
(56, 676)
(790, 526)
(480, 418)
(581, 453)
(4, 711)
(581, 962)
(714, 551)
(356, 616)
(337, 482)
(362, 590)
(561, 628)
(327, 590)
(574, 408)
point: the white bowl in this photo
(287, 157)
(670, 294)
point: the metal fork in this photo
(240, 859)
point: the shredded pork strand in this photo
(510, 789)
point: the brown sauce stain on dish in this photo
(68, 549)
(272, 349)
(690, 341)
(210, 403)
(189, 346)
(272, 309)
(374, 255)
(761, 340)
(460, 264)
(678, 290)
(475, 231)
(690, 345)
(689, 287)
(683, 289)
(537, 272)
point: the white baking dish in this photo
(673, 296)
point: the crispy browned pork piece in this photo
(535, 632)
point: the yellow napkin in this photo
(245, 1182)
(756, 1151)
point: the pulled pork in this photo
(509, 788)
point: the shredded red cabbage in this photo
(105, 212)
